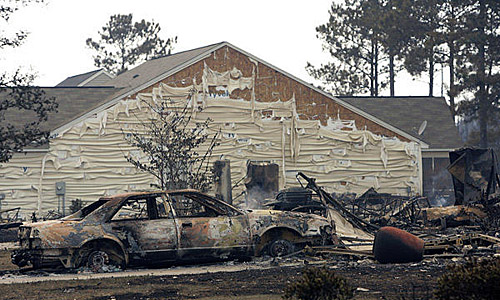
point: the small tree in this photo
(18, 98)
(170, 141)
(123, 44)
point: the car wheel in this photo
(103, 261)
(97, 260)
(280, 248)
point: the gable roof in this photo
(83, 79)
(153, 71)
(79, 103)
(75, 101)
(72, 101)
(408, 114)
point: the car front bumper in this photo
(40, 258)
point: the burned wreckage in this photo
(160, 227)
(143, 228)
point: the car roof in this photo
(119, 197)
(141, 193)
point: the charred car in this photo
(144, 228)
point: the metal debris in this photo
(446, 231)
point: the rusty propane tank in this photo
(393, 245)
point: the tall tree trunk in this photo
(451, 63)
(372, 70)
(452, 92)
(483, 104)
(123, 60)
(391, 73)
(376, 69)
(431, 72)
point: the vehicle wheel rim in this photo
(280, 248)
(97, 260)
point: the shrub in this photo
(472, 280)
(319, 284)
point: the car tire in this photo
(280, 247)
(102, 260)
(98, 260)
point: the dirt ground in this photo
(259, 279)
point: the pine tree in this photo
(398, 26)
(453, 18)
(360, 36)
(438, 39)
(480, 69)
(422, 53)
(354, 45)
(123, 44)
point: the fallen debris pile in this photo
(385, 209)
(470, 228)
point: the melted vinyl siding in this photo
(19, 181)
(89, 156)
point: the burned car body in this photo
(161, 227)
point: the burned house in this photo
(429, 120)
(265, 116)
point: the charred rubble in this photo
(470, 226)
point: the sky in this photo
(279, 32)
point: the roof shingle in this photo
(154, 68)
(408, 114)
(72, 101)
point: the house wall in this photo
(271, 85)
(19, 181)
(262, 115)
(89, 156)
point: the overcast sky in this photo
(279, 32)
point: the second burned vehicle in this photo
(160, 227)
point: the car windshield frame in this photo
(87, 210)
(215, 204)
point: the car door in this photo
(148, 229)
(208, 230)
